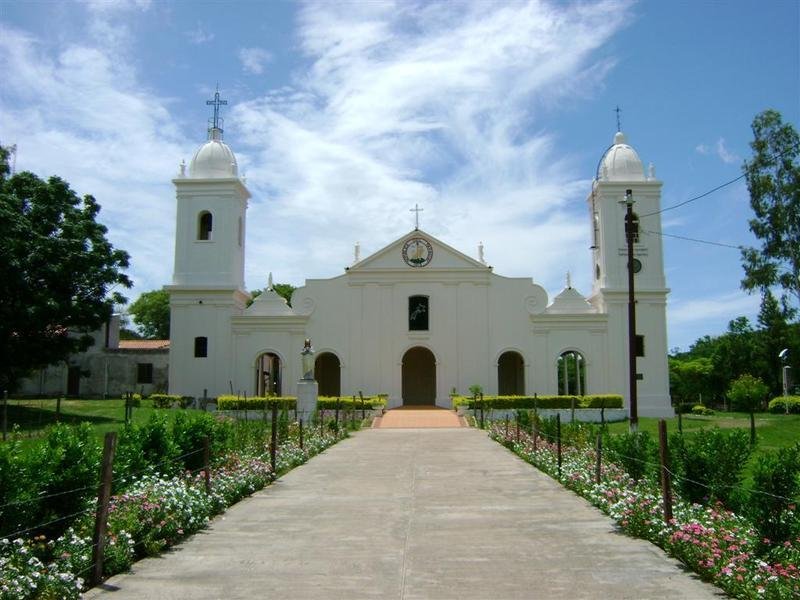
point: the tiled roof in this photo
(143, 344)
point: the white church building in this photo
(418, 318)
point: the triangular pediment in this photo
(418, 251)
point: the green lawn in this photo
(33, 416)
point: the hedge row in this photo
(289, 402)
(350, 402)
(543, 402)
(255, 402)
(783, 404)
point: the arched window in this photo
(200, 347)
(204, 225)
(571, 374)
(511, 374)
(418, 313)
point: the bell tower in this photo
(620, 170)
(208, 279)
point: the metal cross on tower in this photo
(216, 103)
(416, 210)
(617, 110)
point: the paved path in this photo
(411, 418)
(411, 514)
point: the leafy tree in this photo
(58, 271)
(691, 379)
(773, 180)
(151, 314)
(748, 393)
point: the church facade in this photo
(417, 319)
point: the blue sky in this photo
(491, 116)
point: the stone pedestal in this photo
(306, 399)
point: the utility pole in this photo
(631, 230)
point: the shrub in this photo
(255, 402)
(164, 400)
(774, 512)
(541, 402)
(784, 404)
(348, 403)
(710, 464)
(636, 451)
(699, 409)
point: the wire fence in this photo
(662, 468)
(336, 421)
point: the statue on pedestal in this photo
(307, 356)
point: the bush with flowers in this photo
(721, 546)
(151, 511)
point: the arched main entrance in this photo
(268, 374)
(511, 374)
(419, 377)
(327, 372)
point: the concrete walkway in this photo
(411, 513)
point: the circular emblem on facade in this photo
(637, 265)
(417, 252)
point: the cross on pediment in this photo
(416, 210)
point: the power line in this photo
(719, 187)
(689, 239)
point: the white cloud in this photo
(425, 103)
(254, 59)
(199, 35)
(726, 155)
(81, 114)
(720, 149)
(398, 104)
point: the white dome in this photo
(620, 162)
(214, 159)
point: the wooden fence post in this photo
(207, 463)
(666, 490)
(363, 409)
(558, 442)
(58, 409)
(506, 426)
(535, 433)
(482, 421)
(321, 419)
(5, 414)
(101, 513)
(336, 413)
(273, 446)
(599, 450)
(300, 425)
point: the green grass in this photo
(32, 416)
(773, 431)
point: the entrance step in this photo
(419, 417)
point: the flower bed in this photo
(720, 546)
(153, 513)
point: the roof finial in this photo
(216, 121)
(617, 110)
(480, 253)
(569, 280)
(357, 253)
(269, 282)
